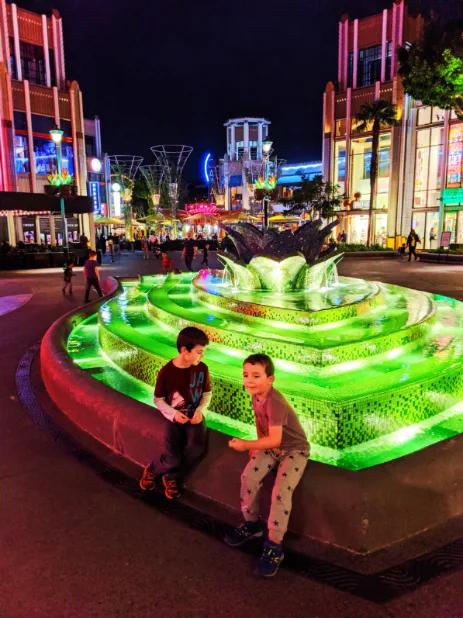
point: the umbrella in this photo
(156, 218)
(283, 219)
(108, 221)
(200, 218)
(241, 217)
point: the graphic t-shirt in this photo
(275, 411)
(182, 389)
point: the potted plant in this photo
(60, 184)
(54, 183)
(67, 182)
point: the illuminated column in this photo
(91, 230)
(18, 224)
(75, 149)
(56, 50)
(61, 49)
(246, 136)
(377, 90)
(46, 54)
(348, 130)
(340, 51)
(356, 53)
(51, 220)
(394, 37)
(259, 141)
(11, 228)
(37, 229)
(30, 138)
(446, 170)
(232, 143)
(384, 47)
(346, 50)
(17, 52)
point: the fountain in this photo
(374, 371)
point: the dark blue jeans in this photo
(183, 446)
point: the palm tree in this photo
(374, 117)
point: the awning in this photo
(235, 181)
(10, 200)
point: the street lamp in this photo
(57, 136)
(266, 150)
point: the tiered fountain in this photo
(374, 371)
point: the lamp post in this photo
(266, 150)
(57, 135)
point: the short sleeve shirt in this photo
(190, 247)
(182, 389)
(275, 411)
(90, 266)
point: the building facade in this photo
(36, 97)
(368, 70)
(244, 160)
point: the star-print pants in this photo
(290, 468)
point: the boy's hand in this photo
(179, 417)
(197, 418)
(238, 445)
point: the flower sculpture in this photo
(281, 262)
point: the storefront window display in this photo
(45, 156)
(455, 159)
(380, 228)
(431, 239)
(358, 229)
(429, 167)
(450, 224)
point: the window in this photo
(253, 150)
(430, 115)
(429, 166)
(350, 70)
(369, 66)
(21, 154)
(340, 163)
(33, 63)
(239, 145)
(45, 156)
(340, 128)
(360, 170)
(13, 67)
(90, 146)
(42, 124)
(20, 121)
(455, 159)
(51, 58)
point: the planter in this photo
(65, 191)
(50, 189)
(74, 191)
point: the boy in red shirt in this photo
(182, 394)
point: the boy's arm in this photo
(202, 407)
(273, 440)
(170, 413)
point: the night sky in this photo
(173, 71)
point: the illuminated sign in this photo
(95, 164)
(452, 196)
(94, 192)
(455, 155)
(206, 161)
(116, 187)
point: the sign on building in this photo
(94, 192)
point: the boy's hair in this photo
(190, 337)
(264, 360)
(92, 254)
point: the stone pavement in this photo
(74, 544)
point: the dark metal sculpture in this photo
(307, 240)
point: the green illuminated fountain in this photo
(374, 371)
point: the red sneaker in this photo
(172, 490)
(147, 480)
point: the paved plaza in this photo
(75, 544)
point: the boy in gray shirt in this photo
(282, 444)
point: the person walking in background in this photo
(103, 244)
(92, 276)
(189, 251)
(145, 248)
(205, 255)
(68, 275)
(281, 445)
(412, 240)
